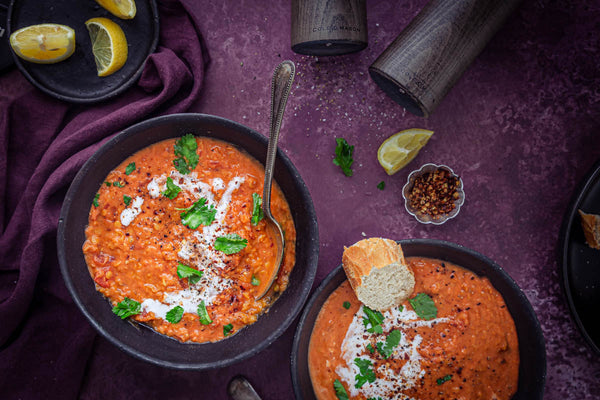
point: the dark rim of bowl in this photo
(312, 257)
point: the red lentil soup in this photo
(469, 350)
(181, 282)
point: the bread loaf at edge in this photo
(591, 229)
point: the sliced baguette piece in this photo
(378, 273)
(591, 229)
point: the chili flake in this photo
(434, 193)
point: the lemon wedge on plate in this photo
(109, 45)
(44, 43)
(401, 148)
(119, 8)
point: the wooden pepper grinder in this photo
(329, 27)
(433, 51)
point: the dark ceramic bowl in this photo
(532, 368)
(143, 342)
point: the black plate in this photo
(532, 367)
(143, 342)
(76, 79)
(579, 263)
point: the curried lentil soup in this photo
(173, 277)
(469, 350)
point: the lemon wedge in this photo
(401, 148)
(109, 45)
(124, 9)
(44, 43)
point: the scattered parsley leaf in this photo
(126, 200)
(227, 329)
(203, 314)
(401, 308)
(340, 391)
(193, 275)
(198, 214)
(444, 379)
(424, 306)
(374, 318)
(95, 201)
(230, 244)
(381, 185)
(130, 168)
(127, 308)
(392, 340)
(370, 348)
(172, 189)
(257, 211)
(343, 156)
(118, 184)
(366, 373)
(185, 150)
(107, 183)
(255, 281)
(175, 314)
(346, 305)
(374, 398)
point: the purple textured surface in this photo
(521, 127)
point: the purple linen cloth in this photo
(45, 341)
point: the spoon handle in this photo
(283, 77)
(240, 389)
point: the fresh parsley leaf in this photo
(172, 189)
(374, 398)
(343, 156)
(107, 183)
(193, 275)
(127, 308)
(227, 329)
(374, 318)
(255, 281)
(203, 314)
(401, 308)
(346, 305)
(392, 340)
(118, 184)
(444, 379)
(381, 185)
(174, 315)
(230, 244)
(198, 214)
(424, 306)
(185, 150)
(366, 373)
(126, 200)
(370, 348)
(130, 168)
(340, 390)
(257, 211)
(95, 201)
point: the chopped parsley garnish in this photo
(346, 305)
(227, 329)
(374, 318)
(343, 156)
(107, 183)
(203, 314)
(198, 214)
(366, 373)
(424, 306)
(392, 340)
(444, 379)
(130, 168)
(374, 398)
(370, 348)
(118, 184)
(255, 281)
(95, 201)
(127, 308)
(401, 308)
(340, 390)
(185, 150)
(175, 314)
(257, 211)
(126, 199)
(230, 244)
(193, 275)
(172, 189)
(381, 185)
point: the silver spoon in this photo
(240, 389)
(280, 90)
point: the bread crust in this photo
(591, 229)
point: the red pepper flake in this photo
(434, 193)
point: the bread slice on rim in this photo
(378, 273)
(591, 229)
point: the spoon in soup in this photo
(280, 90)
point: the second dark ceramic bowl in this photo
(143, 342)
(532, 367)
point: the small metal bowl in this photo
(426, 218)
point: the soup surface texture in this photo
(156, 245)
(469, 350)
